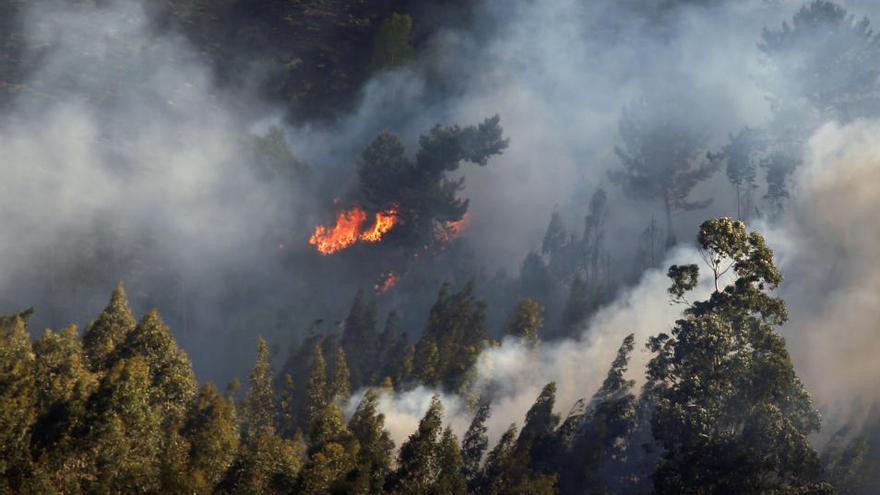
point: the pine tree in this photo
(474, 444)
(417, 463)
(109, 331)
(373, 462)
(287, 408)
(63, 386)
(212, 430)
(332, 450)
(17, 404)
(454, 338)
(597, 455)
(259, 404)
(173, 381)
(450, 475)
(340, 389)
(526, 320)
(359, 339)
(316, 389)
(391, 44)
(731, 413)
(661, 155)
(493, 477)
(577, 306)
(537, 440)
(125, 435)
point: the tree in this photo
(17, 403)
(332, 450)
(507, 470)
(662, 146)
(420, 190)
(124, 437)
(63, 384)
(212, 430)
(537, 441)
(596, 459)
(417, 463)
(373, 461)
(526, 320)
(287, 408)
(316, 389)
(173, 381)
(450, 474)
(828, 58)
(359, 339)
(391, 44)
(259, 403)
(731, 413)
(474, 445)
(741, 156)
(109, 331)
(340, 389)
(455, 336)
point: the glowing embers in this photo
(450, 231)
(348, 230)
(387, 281)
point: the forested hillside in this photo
(439, 247)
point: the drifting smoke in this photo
(105, 162)
(829, 248)
(826, 246)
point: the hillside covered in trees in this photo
(439, 247)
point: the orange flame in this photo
(384, 222)
(452, 230)
(347, 231)
(390, 280)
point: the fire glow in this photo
(390, 279)
(348, 230)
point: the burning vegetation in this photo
(348, 230)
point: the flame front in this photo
(383, 223)
(347, 231)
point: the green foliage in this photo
(373, 461)
(359, 339)
(17, 403)
(526, 320)
(450, 476)
(173, 381)
(124, 437)
(391, 43)
(455, 336)
(109, 331)
(212, 430)
(474, 445)
(731, 413)
(316, 389)
(596, 457)
(417, 462)
(421, 190)
(259, 404)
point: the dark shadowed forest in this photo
(439, 247)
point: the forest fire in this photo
(347, 230)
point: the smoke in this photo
(513, 374)
(828, 247)
(123, 161)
